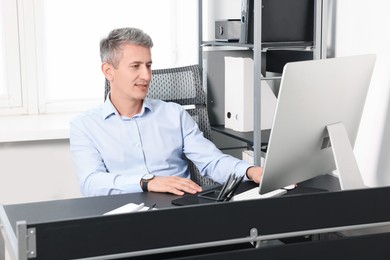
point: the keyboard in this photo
(254, 194)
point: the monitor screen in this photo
(314, 97)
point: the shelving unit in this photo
(317, 47)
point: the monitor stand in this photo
(346, 165)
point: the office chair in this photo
(182, 85)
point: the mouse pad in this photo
(191, 199)
(207, 196)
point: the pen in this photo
(224, 187)
(230, 185)
(152, 207)
(234, 188)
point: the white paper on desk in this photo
(130, 207)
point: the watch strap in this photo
(144, 184)
(145, 180)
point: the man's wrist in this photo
(246, 173)
(145, 181)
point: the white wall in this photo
(363, 27)
(218, 10)
(36, 171)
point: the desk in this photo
(75, 228)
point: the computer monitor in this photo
(316, 121)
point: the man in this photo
(132, 143)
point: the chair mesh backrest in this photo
(182, 85)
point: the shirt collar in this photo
(109, 109)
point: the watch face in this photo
(148, 176)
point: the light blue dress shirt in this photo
(111, 152)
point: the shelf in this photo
(264, 42)
(268, 45)
(246, 137)
(35, 127)
(226, 43)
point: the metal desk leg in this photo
(7, 244)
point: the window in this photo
(59, 65)
(11, 98)
(2, 53)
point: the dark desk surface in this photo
(74, 228)
(81, 207)
(96, 206)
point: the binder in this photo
(239, 96)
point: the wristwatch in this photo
(145, 180)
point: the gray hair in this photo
(110, 47)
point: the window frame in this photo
(13, 101)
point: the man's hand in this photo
(254, 173)
(173, 184)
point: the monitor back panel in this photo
(314, 94)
